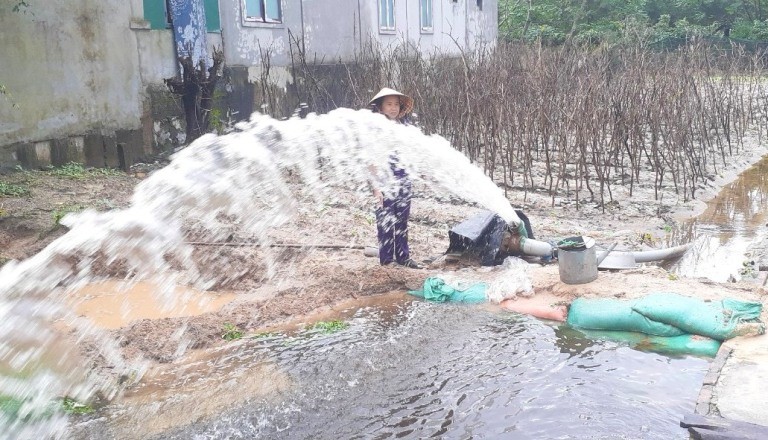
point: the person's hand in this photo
(379, 198)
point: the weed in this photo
(61, 211)
(673, 277)
(749, 269)
(13, 408)
(646, 238)
(72, 406)
(231, 332)
(10, 406)
(104, 172)
(330, 326)
(72, 170)
(263, 335)
(215, 120)
(667, 228)
(75, 170)
(11, 190)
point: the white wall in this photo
(75, 66)
(70, 66)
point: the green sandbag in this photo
(684, 344)
(435, 289)
(615, 314)
(719, 320)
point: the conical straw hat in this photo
(406, 102)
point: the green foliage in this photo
(72, 170)
(72, 406)
(61, 211)
(215, 120)
(11, 190)
(660, 22)
(10, 406)
(231, 332)
(75, 170)
(330, 326)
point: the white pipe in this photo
(661, 254)
(537, 248)
(654, 255)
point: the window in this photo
(264, 11)
(212, 19)
(426, 15)
(387, 15)
(480, 4)
(158, 14)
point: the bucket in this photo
(577, 260)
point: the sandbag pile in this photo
(669, 315)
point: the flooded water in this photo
(723, 235)
(243, 178)
(412, 369)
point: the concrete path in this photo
(741, 390)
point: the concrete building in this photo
(84, 78)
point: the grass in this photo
(75, 170)
(11, 408)
(231, 332)
(11, 190)
(61, 211)
(330, 326)
(72, 406)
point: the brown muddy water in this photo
(113, 304)
(412, 369)
(729, 236)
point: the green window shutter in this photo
(212, 19)
(154, 13)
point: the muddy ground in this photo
(269, 288)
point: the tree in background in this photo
(607, 21)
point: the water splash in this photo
(240, 177)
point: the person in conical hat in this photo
(392, 104)
(394, 204)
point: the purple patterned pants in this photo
(392, 226)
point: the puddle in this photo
(723, 233)
(112, 304)
(414, 369)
